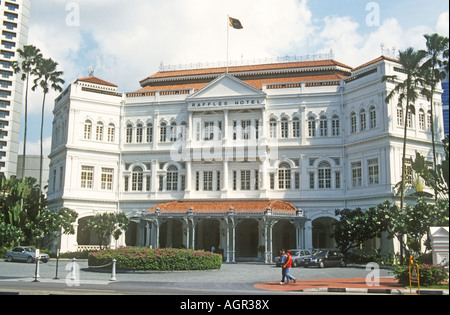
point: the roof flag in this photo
(235, 23)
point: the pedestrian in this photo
(283, 261)
(288, 266)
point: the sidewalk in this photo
(348, 285)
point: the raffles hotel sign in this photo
(226, 104)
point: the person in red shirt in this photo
(287, 267)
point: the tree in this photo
(348, 231)
(434, 73)
(410, 59)
(106, 225)
(437, 178)
(19, 205)
(10, 235)
(49, 225)
(415, 222)
(47, 77)
(356, 226)
(14, 190)
(30, 56)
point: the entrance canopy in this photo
(225, 207)
(243, 228)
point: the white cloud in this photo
(442, 27)
(129, 44)
(127, 40)
(34, 146)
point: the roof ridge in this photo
(245, 68)
(96, 80)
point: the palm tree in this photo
(47, 77)
(433, 74)
(29, 56)
(410, 59)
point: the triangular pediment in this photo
(226, 86)
(439, 231)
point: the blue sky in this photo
(127, 41)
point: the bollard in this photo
(36, 271)
(73, 275)
(57, 262)
(113, 273)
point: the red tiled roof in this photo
(96, 80)
(181, 207)
(275, 66)
(374, 61)
(256, 83)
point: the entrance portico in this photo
(240, 230)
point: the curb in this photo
(376, 291)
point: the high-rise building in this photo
(14, 34)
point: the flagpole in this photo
(228, 38)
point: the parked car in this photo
(25, 253)
(298, 256)
(326, 258)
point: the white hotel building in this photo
(249, 161)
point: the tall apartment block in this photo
(15, 15)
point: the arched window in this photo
(284, 128)
(139, 133)
(173, 132)
(335, 125)
(421, 119)
(296, 127)
(373, 117)
(99, 131)
(429, 118)
(163, 132)
(149, 133)
(284, 176)
(324, 175)
(311, 127)
(172, 178)
(323, 126)
(129, 133)
(137, 179)
(399, 115)
(111, 132)
(273, 128)
(363, 119)
(353, 122)
(87, 129)
(410, 118)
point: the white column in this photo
(188, 176)
(225, 177)
(147, 241)
(225, 126)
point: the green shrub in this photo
(428, 275)
(168, 259)
(78, 255)
(3, 251)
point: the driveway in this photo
(240, 278)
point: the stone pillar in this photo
(227, 249)
(157, 225)
(147, 241)
(308, 235)
(231, 237)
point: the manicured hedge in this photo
(145, 259)
(428, 275)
